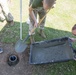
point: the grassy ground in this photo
(58, 24)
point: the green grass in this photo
(59, 22)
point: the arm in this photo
(9, 1)
(48, 4)
(31, 13)
(73, 39)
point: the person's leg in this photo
(6, 12)
(31, 25)
(42, 13)
(2, 18)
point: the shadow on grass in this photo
(53, 33)
(10, 34)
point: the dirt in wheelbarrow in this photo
(23, 67)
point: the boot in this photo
(11, 23)
(32, 39)
(42, 34)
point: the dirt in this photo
(22, 68)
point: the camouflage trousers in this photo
(39, 14)
(4, 11)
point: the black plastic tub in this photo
(56, 50)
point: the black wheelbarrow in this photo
(56, 50)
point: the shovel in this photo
(17, 44)
(21, 44)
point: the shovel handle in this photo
(26, 38)
(35, 27)
(39, 22)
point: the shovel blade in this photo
(20, 46)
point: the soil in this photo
(22, 68)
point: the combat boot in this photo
(11, 23)
(41, 33)
(32, 39)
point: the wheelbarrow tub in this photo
(50, 51)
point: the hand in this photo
(35, 24)
(73, 39)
